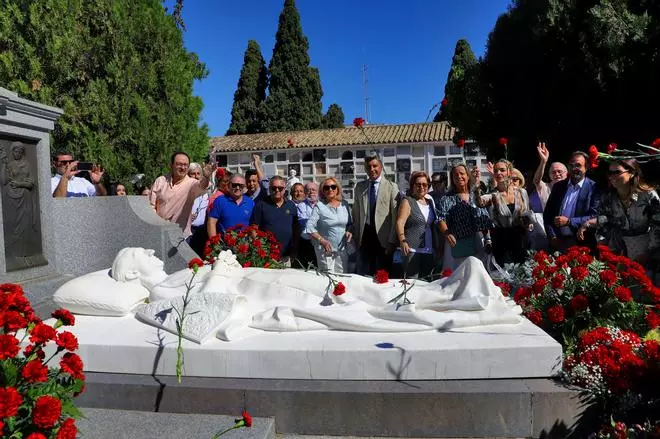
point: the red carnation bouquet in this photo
(575, 292)
(36, 397)
(253, 247)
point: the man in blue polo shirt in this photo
(278, 216)
(230, 210)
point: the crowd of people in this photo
(434, 225)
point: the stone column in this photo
(27, 249)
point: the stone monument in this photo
(26, 248)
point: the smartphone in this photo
(85, 166)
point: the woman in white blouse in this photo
(329, 227)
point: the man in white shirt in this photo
(65, 183)
(572, 202)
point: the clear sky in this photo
(406, 44)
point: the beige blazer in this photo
(386, 210)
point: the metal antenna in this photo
(365, 86)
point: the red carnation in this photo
(446, 272)
(579, 303)
(195, 262)
(36, 435)
(593, 163)
(556, 314)
(67, 430)
(340, 289)
(67, 340)
(290, 142)
(611, 148)
(522, 295)
(444, 102)
(73, 365)
(358, 122)
(31, 349)
(35, 372)
(10, 401)
(46, 412)
(381, 277)
(505, 287)
(584, 259)
(535, 317)
(8, 346)
(504, 141)
(539, 286)
(653, 320)
(247, 418)
(593, 152)
(13, 321)
(656, 143)
(623, 294)
(537, 272)
(460, 143)
(579, 273)
(42, 333)
(558, 281)
(64, 316)
(247, 264)
(608, 277)
(243, 248)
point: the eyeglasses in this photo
(237, 186)
(277, 188)
(616, 172)
(65, 162)
(330, 187)
(421, 185)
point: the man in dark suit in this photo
(572, 202)
(374, 214)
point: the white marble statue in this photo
(232, 302)
(291, 180)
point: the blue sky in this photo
(407, 46)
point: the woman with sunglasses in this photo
(511, 215)
(329, 226)
(415, 228)
(629, 214)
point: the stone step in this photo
(131, 424)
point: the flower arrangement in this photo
(36, 398)
(575, 292)
(619, 430)
(253, 247)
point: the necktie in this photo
(372, 203)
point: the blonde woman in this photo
(329, 226)
(509, 210)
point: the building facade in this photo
(340, 152)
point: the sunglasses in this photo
(330, 187)
(421, 185)
(616, 172)
(65, 162)
(277, 188)
(237, 186)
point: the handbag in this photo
(464, 247)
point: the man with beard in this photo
(572, 202)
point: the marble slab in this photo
(125, 345)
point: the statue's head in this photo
(135, 263)
(293, 172)
(18, 150)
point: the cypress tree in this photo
(334, 117)
(250, 93)
(456, 103)
(294, 99)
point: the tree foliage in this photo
(294, 99)
(455, 104)
(572, 73)
(334, 117)
(250, 93)
(119, 70)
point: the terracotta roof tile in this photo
(377, 135)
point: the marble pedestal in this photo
(125, 345)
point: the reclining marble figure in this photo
(232, 302)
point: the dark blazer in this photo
(586, 206)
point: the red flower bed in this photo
(253, 247)
(36, 395)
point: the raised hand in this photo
(476, 174)
(96, 174)
(490, 168)
(209, 169)
(256, 159)
(544, 154)
(70, 170)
